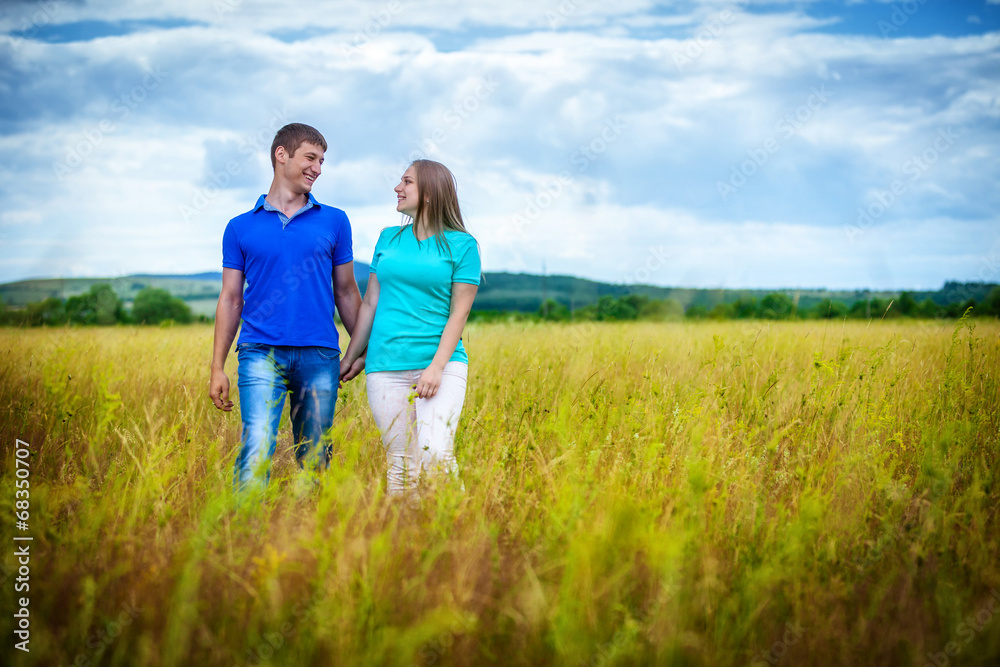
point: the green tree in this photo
(696, 312)
(828, 309)
(722, 311)
(610, 309)
(929, 309)
(884, 308)
(991, 304)
(100, 305)
(776, 306)
(661, 310)
(586, 313)
(153, 305)
(625, 307)
(553, 311)
(907, 304)
(874, 308)
(958, 309)
(745, 307)
(51, 311)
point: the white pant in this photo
(418, 433)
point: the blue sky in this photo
(704, 143)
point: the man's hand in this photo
(349, 372)
(218, 390)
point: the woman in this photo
(424, 277)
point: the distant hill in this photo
(199, 290)
(498, 291)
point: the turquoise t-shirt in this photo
(414, 299)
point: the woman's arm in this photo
(462, 296)
(362, 331)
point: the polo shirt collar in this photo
(266, 205)
(262, 202)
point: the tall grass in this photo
(676, 494)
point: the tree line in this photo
(774, 306)
(101, 306)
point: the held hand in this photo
(353, 370)
(218, 390)
(350, 369)
(429, 382)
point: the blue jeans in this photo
(267, 373)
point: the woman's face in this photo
(407, 196)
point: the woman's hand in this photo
(350, 370)
(429, 382)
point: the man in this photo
(288, 249)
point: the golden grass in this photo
(678, 494)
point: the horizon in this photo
(192, 275)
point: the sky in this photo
(740, 144)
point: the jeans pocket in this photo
(247, 348)
(328, 353)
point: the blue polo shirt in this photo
(288, 266)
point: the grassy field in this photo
(676, 494)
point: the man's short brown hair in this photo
(294, 135)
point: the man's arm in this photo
(227, 321)
(348, 299)
(346, 295)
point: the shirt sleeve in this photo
(379, 246)
(344, 250)
(467, 264)
(232, 254)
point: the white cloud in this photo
(645, 126)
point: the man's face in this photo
(301, 169)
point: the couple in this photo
(296, 258)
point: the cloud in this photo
(746, 141)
